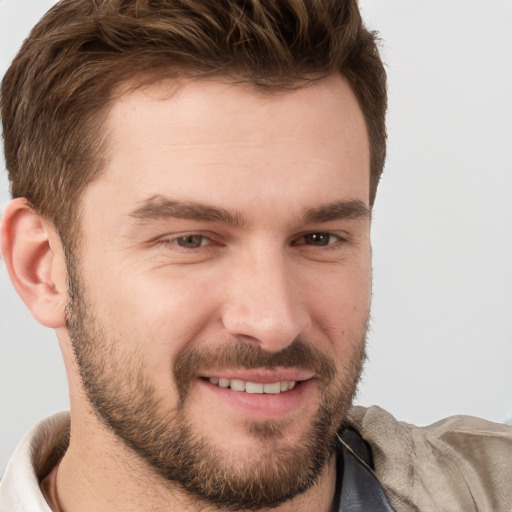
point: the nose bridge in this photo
(263, 303)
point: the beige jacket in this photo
(460, 464)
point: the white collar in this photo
(39, 449)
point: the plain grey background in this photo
(441, 338)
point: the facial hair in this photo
(124, 398)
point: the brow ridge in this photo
(160, 207)
(337, 210)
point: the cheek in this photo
(340, 306)
(154, 315)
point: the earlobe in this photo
(35, 261)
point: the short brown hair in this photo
(65, 73)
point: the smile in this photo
(271, 388)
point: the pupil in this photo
(191, 241)
(318, 239)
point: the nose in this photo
(264, 302)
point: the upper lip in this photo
(262, 375)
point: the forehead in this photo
(212, 141)
(238, 111)
(188, 97)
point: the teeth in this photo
(271, 388)
(237, 385)
(253, 387)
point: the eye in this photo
(317, 239)
(191, 241)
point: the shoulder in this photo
(459, 463)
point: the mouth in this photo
(256, 388)
(261, 394)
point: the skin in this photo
(264, 159)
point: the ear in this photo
(35, 260)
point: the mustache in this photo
(242, 354)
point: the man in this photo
(192, 186)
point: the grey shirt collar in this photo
(359, 489)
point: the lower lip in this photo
(262, 406)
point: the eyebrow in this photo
(161, 208)
(337, 210)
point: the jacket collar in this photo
(358, 488)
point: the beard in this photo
(125, 399)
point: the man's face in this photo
(221, 286)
